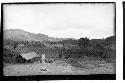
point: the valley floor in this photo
(59, 67)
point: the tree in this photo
(83, 42)
(99, 47)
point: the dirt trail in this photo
(56, 68)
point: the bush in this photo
(83, 42)
(9, 56)
(72, 53)
(34, 60)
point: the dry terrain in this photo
(59, 67)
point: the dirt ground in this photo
(59, 68)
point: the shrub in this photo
(83, 42)
(9, 56)
(72, 53)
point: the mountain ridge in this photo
(18, 34)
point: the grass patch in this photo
(85, 62)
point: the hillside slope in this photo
(17, 34)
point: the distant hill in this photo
(69, 41)
(109, 41)
(17, 34)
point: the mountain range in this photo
(18, 34)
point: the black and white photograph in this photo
(59, 39)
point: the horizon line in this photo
(58, 37)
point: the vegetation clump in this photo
(65, 49)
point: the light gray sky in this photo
(62, 20)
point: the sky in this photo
(94, 21)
